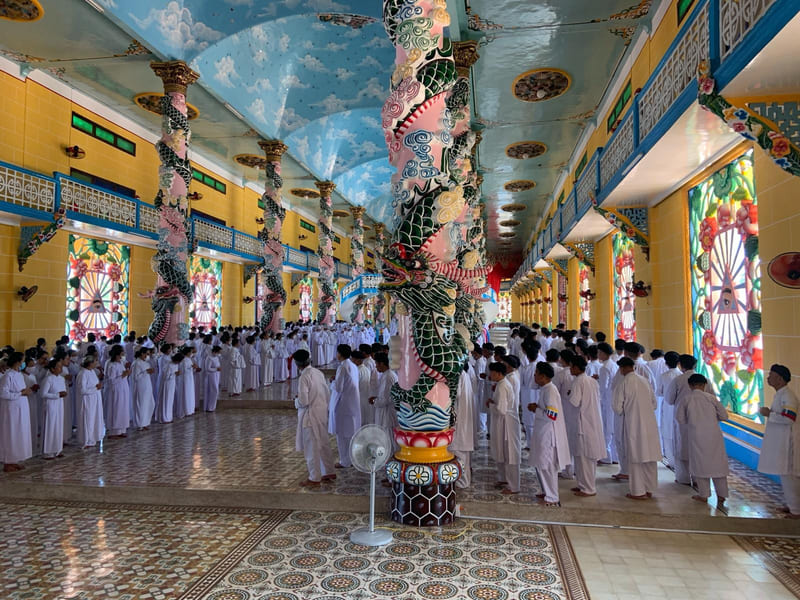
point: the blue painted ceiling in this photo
(314, 73)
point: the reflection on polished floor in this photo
(133, 521)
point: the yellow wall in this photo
(33, 134)
(603, 305)
(573, 298)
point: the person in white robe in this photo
(780, 450)
(91, 428)
(185, 400)
(281, 367)
(165, 403)
(267, 364)
(237, 368)
(252, 365)
(225, 362)
(203, 348)
(313, 396)
(505, 447)
(463, 443)
(153, 360)
(116, 391)
(549, 445)
(529, 391)
(478, 390)
(590, 444)
(385, 413)
(364, 388)
(675, 395)
(605, 375)
(563, 382)
(54, 395)
(702, 413)
(15, 424)
(346, 405)
(164, 362)
(666, 419)
(635, 401)
(143, 399)
(318, 339)
(211, 375)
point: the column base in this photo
(423, 495)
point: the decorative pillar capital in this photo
(176, 75)
(325, 188)
(357, 211)
(465, 54)
(274, 149)
(379, 229)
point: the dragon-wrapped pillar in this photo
(380, 302)
(327, 295)
(421, 268)
(357, 259)
(173, 291)
(270, 235)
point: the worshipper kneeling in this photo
(780, 450)
(505, 447)
(549, 443)
(701, 413)
(312, 421)
(635, 402)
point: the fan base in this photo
(365, 537)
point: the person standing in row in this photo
(15, 421)
(211, 369)
(346, 405)
(504, 447)
(54, 395)
(90, 401)
(584, 395)
(143, 400)
(312, 421)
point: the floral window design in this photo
(504, 308)
(97, 288)
(624, 300)
(206, 307)
(562, 299)
(306, 304)
(586, 312)
(726, 286)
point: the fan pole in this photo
(372, 499)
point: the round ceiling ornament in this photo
(21, 10)
(507, 234)
(304, 193)
(519, 185)
(509, 223)
(540, 84)
(513, 207)
(151, 102)
(523, 150)
(254, 161)
(341, 214)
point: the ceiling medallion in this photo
(523, 150)
(151, 102)
(509, 223)
(21, 10)
(305, 193)
(254, 161)
(540, 84)
(346, 20)
(341, 214)
(519, 185)
(513, 207)
(507, 234)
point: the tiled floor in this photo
(631, 565)
(83, 551)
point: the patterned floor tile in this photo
(780, 556)
(86, 551)
(310, 556)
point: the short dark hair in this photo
(687, 361)
(579, 363)
(625, 362)
(633, 348)
(301, 357)
(671, 358)
(382, 357)
(498, 367)
(600, 337)
(697, 379)
(344, 350)
(545, 369)
(357, 354)
(512, 361)
(551, 355)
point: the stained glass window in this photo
(206, 307)
(624, 300)
(306, 303)
(97, 288)
(584, 286)
(504, 308)
(726, 286)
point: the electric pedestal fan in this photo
(369, 451)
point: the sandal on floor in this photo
(620, 477)
(551, 504)
(632, 497)
(508, 492)
(583, 494)
(309, 483)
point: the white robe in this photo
(549, 442)
(225, 366)
(143, 400)
(385, 413)
(780, 450)
(675, 395)
(15, 423)
(312, 422)
(252, 368)
(505, 444)
(237, 368)
(635, 401)
(364, 393)
(346, 402)
(464, 436)
(116, 398)
(166, 391)
(605, 376)
(701, 413)
(281, 366)
(563, 382)
(184, 389)
(53, 430)
(585, 397)
(90, 422)
(211, 369)
(267, 365)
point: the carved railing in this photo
(212, 233)
(363, 285)
(23, 188)
(617, 151)
(736, 18)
